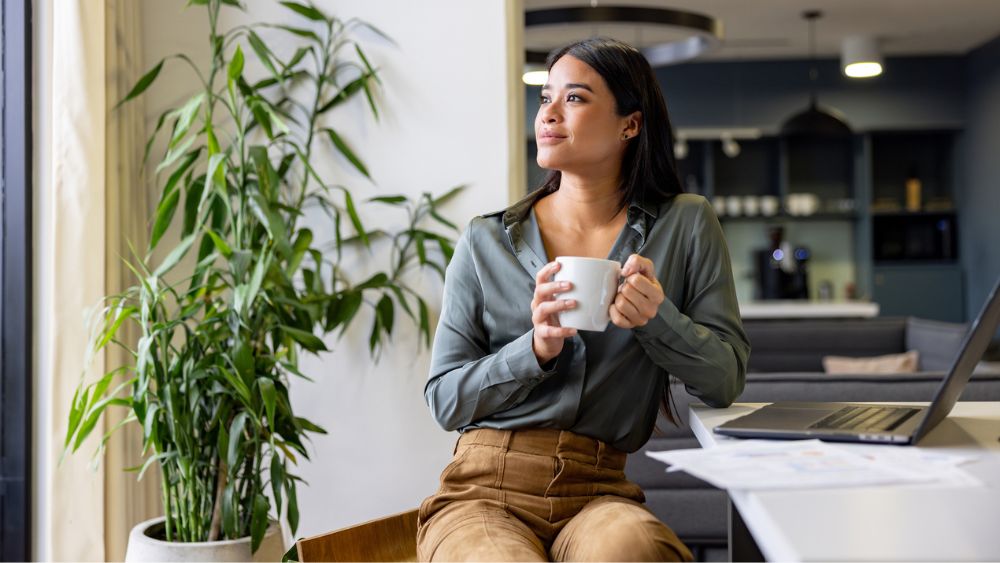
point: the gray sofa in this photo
(786, 364)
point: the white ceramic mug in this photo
(595, 285)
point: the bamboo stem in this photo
(220, 485)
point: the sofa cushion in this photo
(937, 341)
(907, 362)
(781, 346)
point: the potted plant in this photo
(217, 345)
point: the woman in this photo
(548, 414)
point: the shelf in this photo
(786, 217)
(912, 213)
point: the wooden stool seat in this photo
(393, 538)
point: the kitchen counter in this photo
(808, 309)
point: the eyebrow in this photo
(572, 85)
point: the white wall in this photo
(452, 103)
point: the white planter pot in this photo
(142, 547)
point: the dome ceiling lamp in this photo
(678, 35)
(815, 121)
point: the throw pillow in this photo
(906, 362)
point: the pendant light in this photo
(815, 121)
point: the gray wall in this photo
(979, 198)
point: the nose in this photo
(548, 114)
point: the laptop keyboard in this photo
(865, 418)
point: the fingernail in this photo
(564, 285)
(568, 302)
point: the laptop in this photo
(883, 424)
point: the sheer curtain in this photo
(127, 502)
(97, 201)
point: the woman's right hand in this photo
(549, 336)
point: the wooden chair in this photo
(393, 538)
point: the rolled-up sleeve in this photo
(704, 344)
(467, 382)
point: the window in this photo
(15, 280)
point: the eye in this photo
(543, 99)
(571, 96)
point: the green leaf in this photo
(378, 280)
(272, 222)
(425, 327)
(229, 516)
(292, 555)
(262, 118)
(175, 255)
(237, 384)
(171, 195)
(243, 361)
(299, 249)
(109, 334)
(350, 303)
(174, 154)
(447, 196)
(390, 199)
(269, 396)
(185, 117)
(300, 32)
(386, 311)
(353, 87)
(220, 244)
(277, 479)
(346, 151)
(233, 456)
(266, 175)
(164, 215)
(307, 340)
(235, 65)
(307, 11)
(293, 506)
(352, 212)
(263, 53)
(143, 83)
(309, 426)
(191, 201)
(258, 522)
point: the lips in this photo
(551, 135)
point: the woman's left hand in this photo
(639, 297)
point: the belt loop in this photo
(505, 442)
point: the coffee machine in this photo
(781, 271)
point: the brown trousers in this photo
(540, 495)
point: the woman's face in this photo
(577, 128)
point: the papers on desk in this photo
(800, 464)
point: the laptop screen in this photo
(973, 348)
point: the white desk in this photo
(923, 522)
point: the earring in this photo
(624, 136)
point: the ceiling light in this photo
(815, 121)
(860, 56)
(672, 35)
(535, 77)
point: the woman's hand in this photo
(549, 336)
(639, 297)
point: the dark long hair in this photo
(649, 171)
